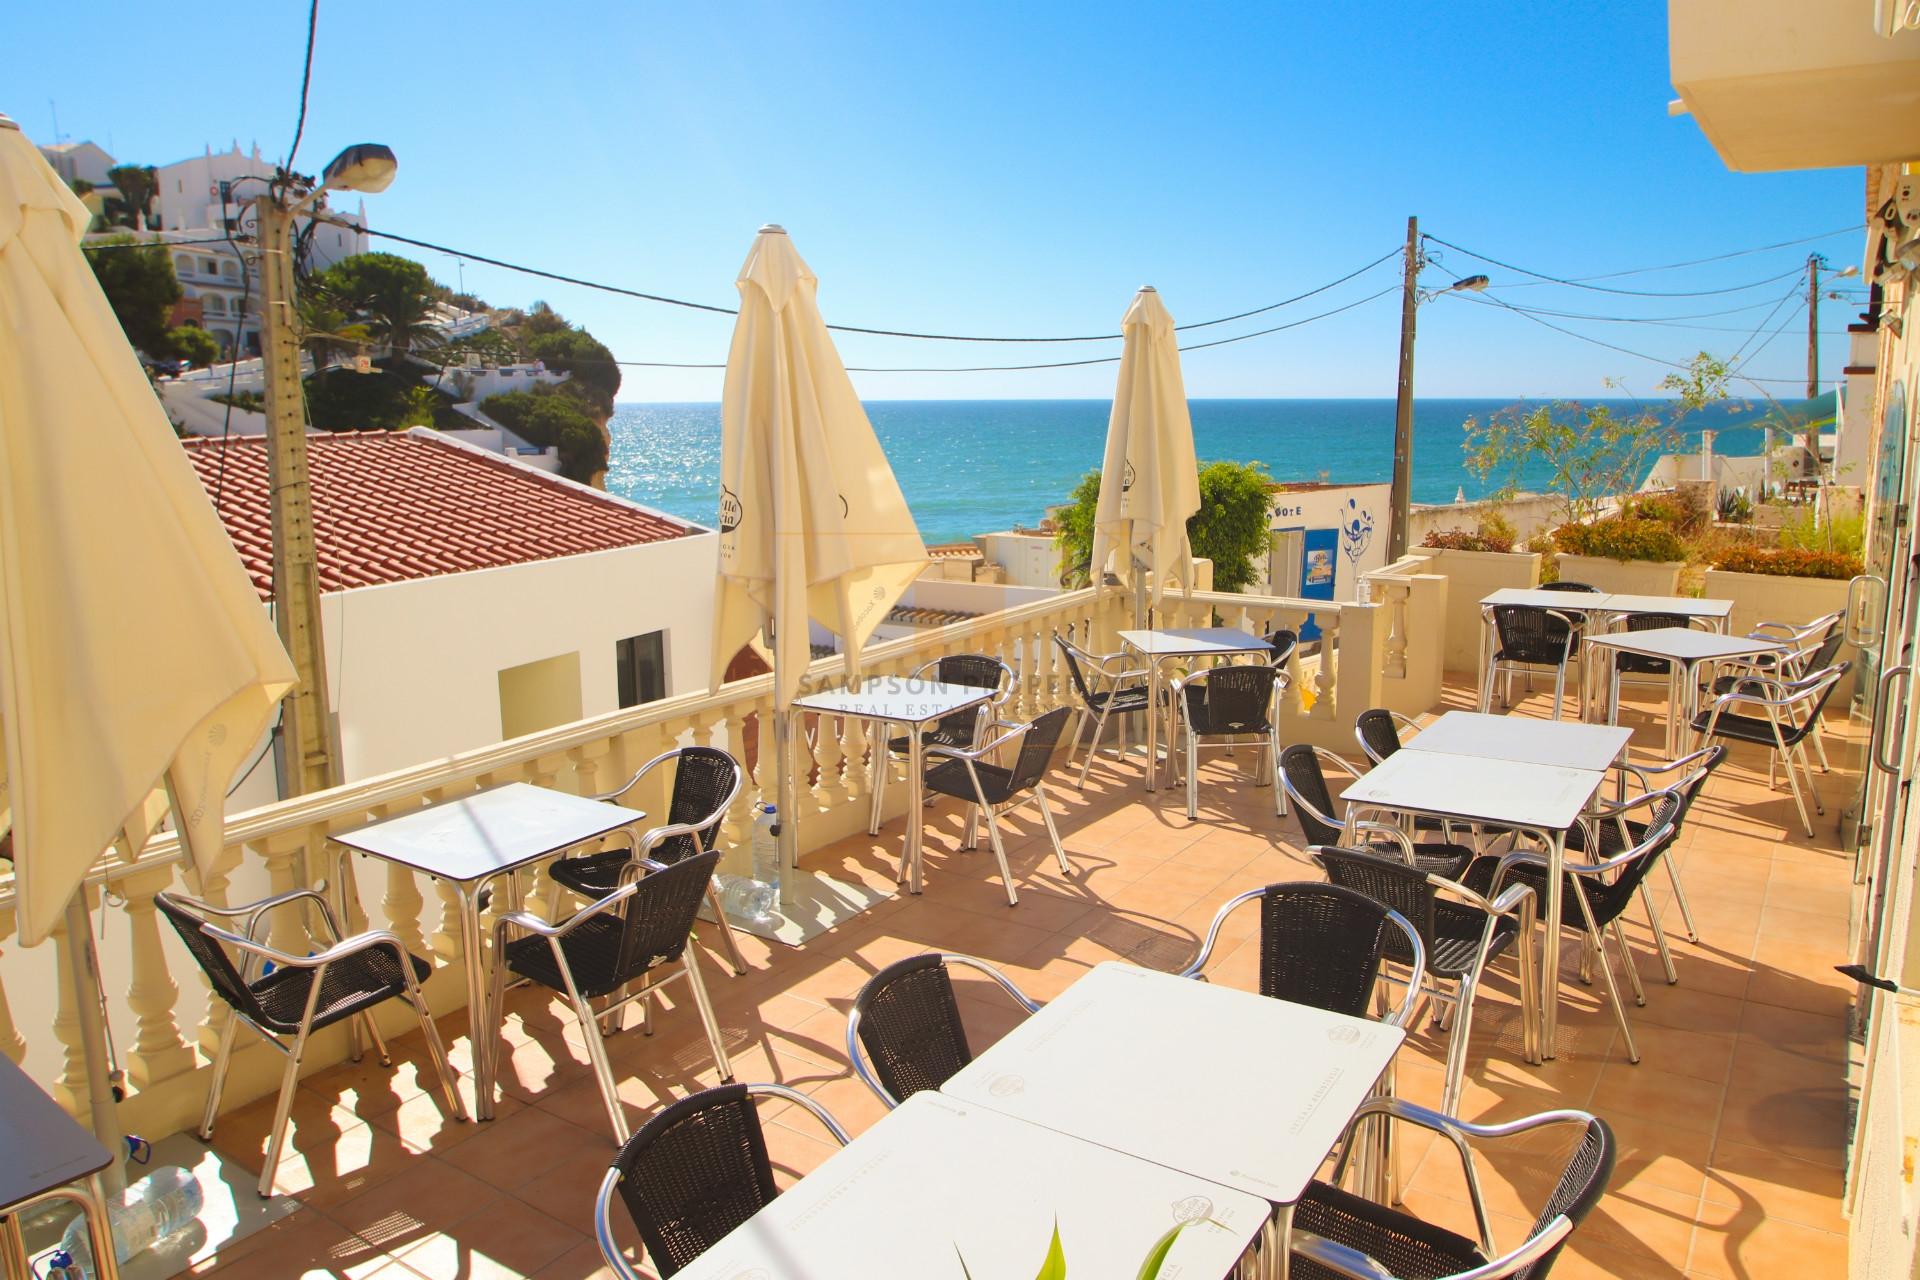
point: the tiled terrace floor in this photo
(1731, 1127)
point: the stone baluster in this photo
(70, 1086)
(1323, 682)
(857, 739)
(832, 790)
(158, 1050)
(12, 1043)
(402, 905)
(213, 890)
(1395, 598)
(286, 926)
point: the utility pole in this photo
(1401, 498)
(306, 726)
(1813, 325)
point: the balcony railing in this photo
(158, 1009)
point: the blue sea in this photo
(974, 466)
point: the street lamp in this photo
(308, 759)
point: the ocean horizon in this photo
(975, 466)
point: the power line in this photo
(306, 79)
(1013, 368)
(840, 328)
(1635, 293)
(149, 244)
(1722, 257)
(1764, 321)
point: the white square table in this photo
(1143, 1062)
(939, 1180)
(1541, 799)
(915, 704)
(1522, 738)
(1181, 642)
(469, 841)
(1593, 604)
(1684, 649)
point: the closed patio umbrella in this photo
(135, 660)
(1149, 479)
(812, 521)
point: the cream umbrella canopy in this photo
(1149, 479)
(812, 521)
(135, 659)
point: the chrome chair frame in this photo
(1343, 1260)
(864, 1069)
(1605, 810)
(1364, 825)
(1399, 722)
(653, 837)
(258, 954)
(1098, 667)
(1782, 699)
(882, 753)
(1038, 794)
(1177, 690)
(688, 966)
(610, 1251)
(1616, 681)
(1517, 901)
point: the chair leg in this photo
(282, 1114)
(1559, 688)
(1079, 729)
(879, 781)
(374, 1037)
(1606, 971)
(1806, 768)
(1273, 770)
(1093, 748)
(1046, 816)
(222, 1058)
(1457, 1040)
(1793, 784)
(1000, 856)
(1680, 899)
(1486, 687)
(602, 1069)
(437, 1052)
(1193, 776)
(1626, 959)
(707, 1020)
(727, 938)
(1659, 934)
(1820, 746)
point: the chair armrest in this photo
(1213, 931)
(254, 911)
(287, 960)
(608, 797)
(1340, 1259)
(657, 836)
(981, 751)
(530, 923)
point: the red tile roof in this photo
(393, 506)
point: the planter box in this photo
(1773, 597)
(1471, 576)
(1623, 577)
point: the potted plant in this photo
(1780, 584)
(1630, 554)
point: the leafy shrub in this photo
(1494, 532)
(1621, 537)
(1682, 510)
(1735, 507)
(552, 416)
(1844, 534)
(1794, 562)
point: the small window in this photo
(642, 664)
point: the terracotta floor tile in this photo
(428, 1198)
(506, 1239)
(1757, 1247)
(1783, 1187)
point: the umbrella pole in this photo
(93, 1038)
(786, 833)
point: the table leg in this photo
(343, 907)
(1153, 724)
(916, 798)
(1550, 975)
(1280, 1238)
(13, 1249)
(473, 952)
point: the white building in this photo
(80, 162)
(467, 598)
(1323, 538)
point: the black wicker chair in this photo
(1463, 932)
(619, 949)
(1527, 638)
(1324, 946)
(1812, 647)
(1378, 730)
(1586, 588)
(1229, 702)
(1341, 1236)
(907, 1019)
(692, 1173)
(1613, 833)
(705, 782)
(1594, 895)
(1791, 713)
(994, 789)
(291, 997)
(1303, 774)
(1282, 644)
(961, 729)
(1114, 689)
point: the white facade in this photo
(1323, 538)
(1025, 558)
(79, 161)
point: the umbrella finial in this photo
(773, 229)
(1147, 288)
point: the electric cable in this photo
(306, 79)
(1635, 293)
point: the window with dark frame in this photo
(641, 662)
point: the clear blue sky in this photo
(1004, 169)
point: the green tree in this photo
(326, 330)
(193, 344)
(1591, 453)
(393, 296)
(588, 363)
(1230, 528)
(550, 416)
(140, 287)
(136, 184)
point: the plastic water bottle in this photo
(60, 1266)
(163, 1202)
(745, 898)
(766, 847)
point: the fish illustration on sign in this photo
(1356, 530)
